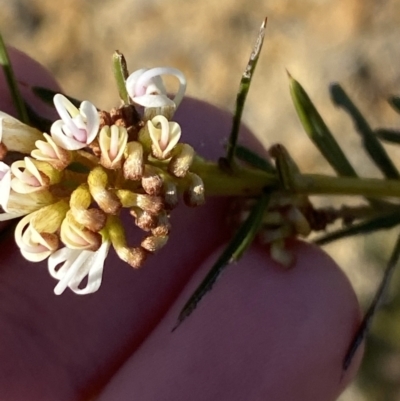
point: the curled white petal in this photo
(32, 245)
(146, 88)
(77, 128)
(76, 266)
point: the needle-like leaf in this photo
(242, 94)
(376, 302)
(253, 159)
(382, 222)
(394, 101)
(388, 135)
(371, 143)
(318, 132)
(233, 252)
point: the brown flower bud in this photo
(153, 244)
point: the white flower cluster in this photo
(72, 214)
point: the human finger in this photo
(262, 333)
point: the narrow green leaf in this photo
(235, 249)
(371, 143)
(376, 302)
(47, 96)
(242, 93)
(120, 74)
(253, 159)
(383, 222)
(388, 135)
(318, 132)
(394, 101)
(12, 83)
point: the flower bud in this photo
(106, 199)
(133, 166)
(153, 244)
(152, 182)
(182, 160)
(194, 194)
(80, 201)
(144, 220)
(129, 199)
(135, 256)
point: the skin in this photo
(262, 333)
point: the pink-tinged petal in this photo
(62, 140)
(92, 120)
(77, 128)
(131, 87)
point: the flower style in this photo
(76, 266)
(164, 136)
(17, 136)
(146, 88)
(77, 128)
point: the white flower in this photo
(112, 142)
(76, 266)
(146, 88)
(27, 178)
(34, 246)
(51, 153)
(17, 136)
(14, 204)
(77, 128)
(164, 136)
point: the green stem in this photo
(244, 182)
(314, 184)
(12, 83)
(247, 182)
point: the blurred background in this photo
(353, 42)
